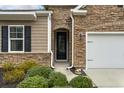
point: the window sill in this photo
(16, 52)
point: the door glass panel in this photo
(61, 45)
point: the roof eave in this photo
(26, 15)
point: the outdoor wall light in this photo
(81, 34)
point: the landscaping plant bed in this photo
(8, 85)
(1, 79)
(30, 75)
(2, 82)
(79, 71)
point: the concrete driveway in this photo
(107, 77)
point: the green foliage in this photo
(13, 76)
(57, 79)
(8, 66)
(81, 82)
(39, 70)
(34, 82)
(27, 65)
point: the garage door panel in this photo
(105, 51)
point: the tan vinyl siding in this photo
(39, 33)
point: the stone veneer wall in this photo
(61, 20)
(98, 19)
(42, 58)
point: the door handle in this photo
(90, 60)
(89, 41)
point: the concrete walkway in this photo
(61, 67)
(107, 77)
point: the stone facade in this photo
(61, 21)
(98, 19)
(43, 59)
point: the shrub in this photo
(33, 82)
(81, 82)
(8, 66)
(13, 76)
(38, 70)
(57, 79)
(27, 65)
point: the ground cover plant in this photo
(29, 74)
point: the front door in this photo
(61, 46)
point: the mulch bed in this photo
(2, 83)
(1, 80)
(78, 71)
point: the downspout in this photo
(72, 65)
(49, 40)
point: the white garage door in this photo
(105, 51)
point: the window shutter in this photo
(27, 44)
(4, 43)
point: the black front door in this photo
(61, 46)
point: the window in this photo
(16, 38)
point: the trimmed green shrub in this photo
(57, 79)
(8, 66)
(33, 82)
(81, 82)
(27, 65)
(39, 70)
(13, 76)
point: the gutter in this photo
(80, 6)
(49, 39)
(19, 12)
(79, 12)
(75, 11)
(40, 13)
(52, 59)
(72, 65)
(37, 11)
(43, 12)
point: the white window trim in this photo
(9, 44)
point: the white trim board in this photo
(49, 33)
